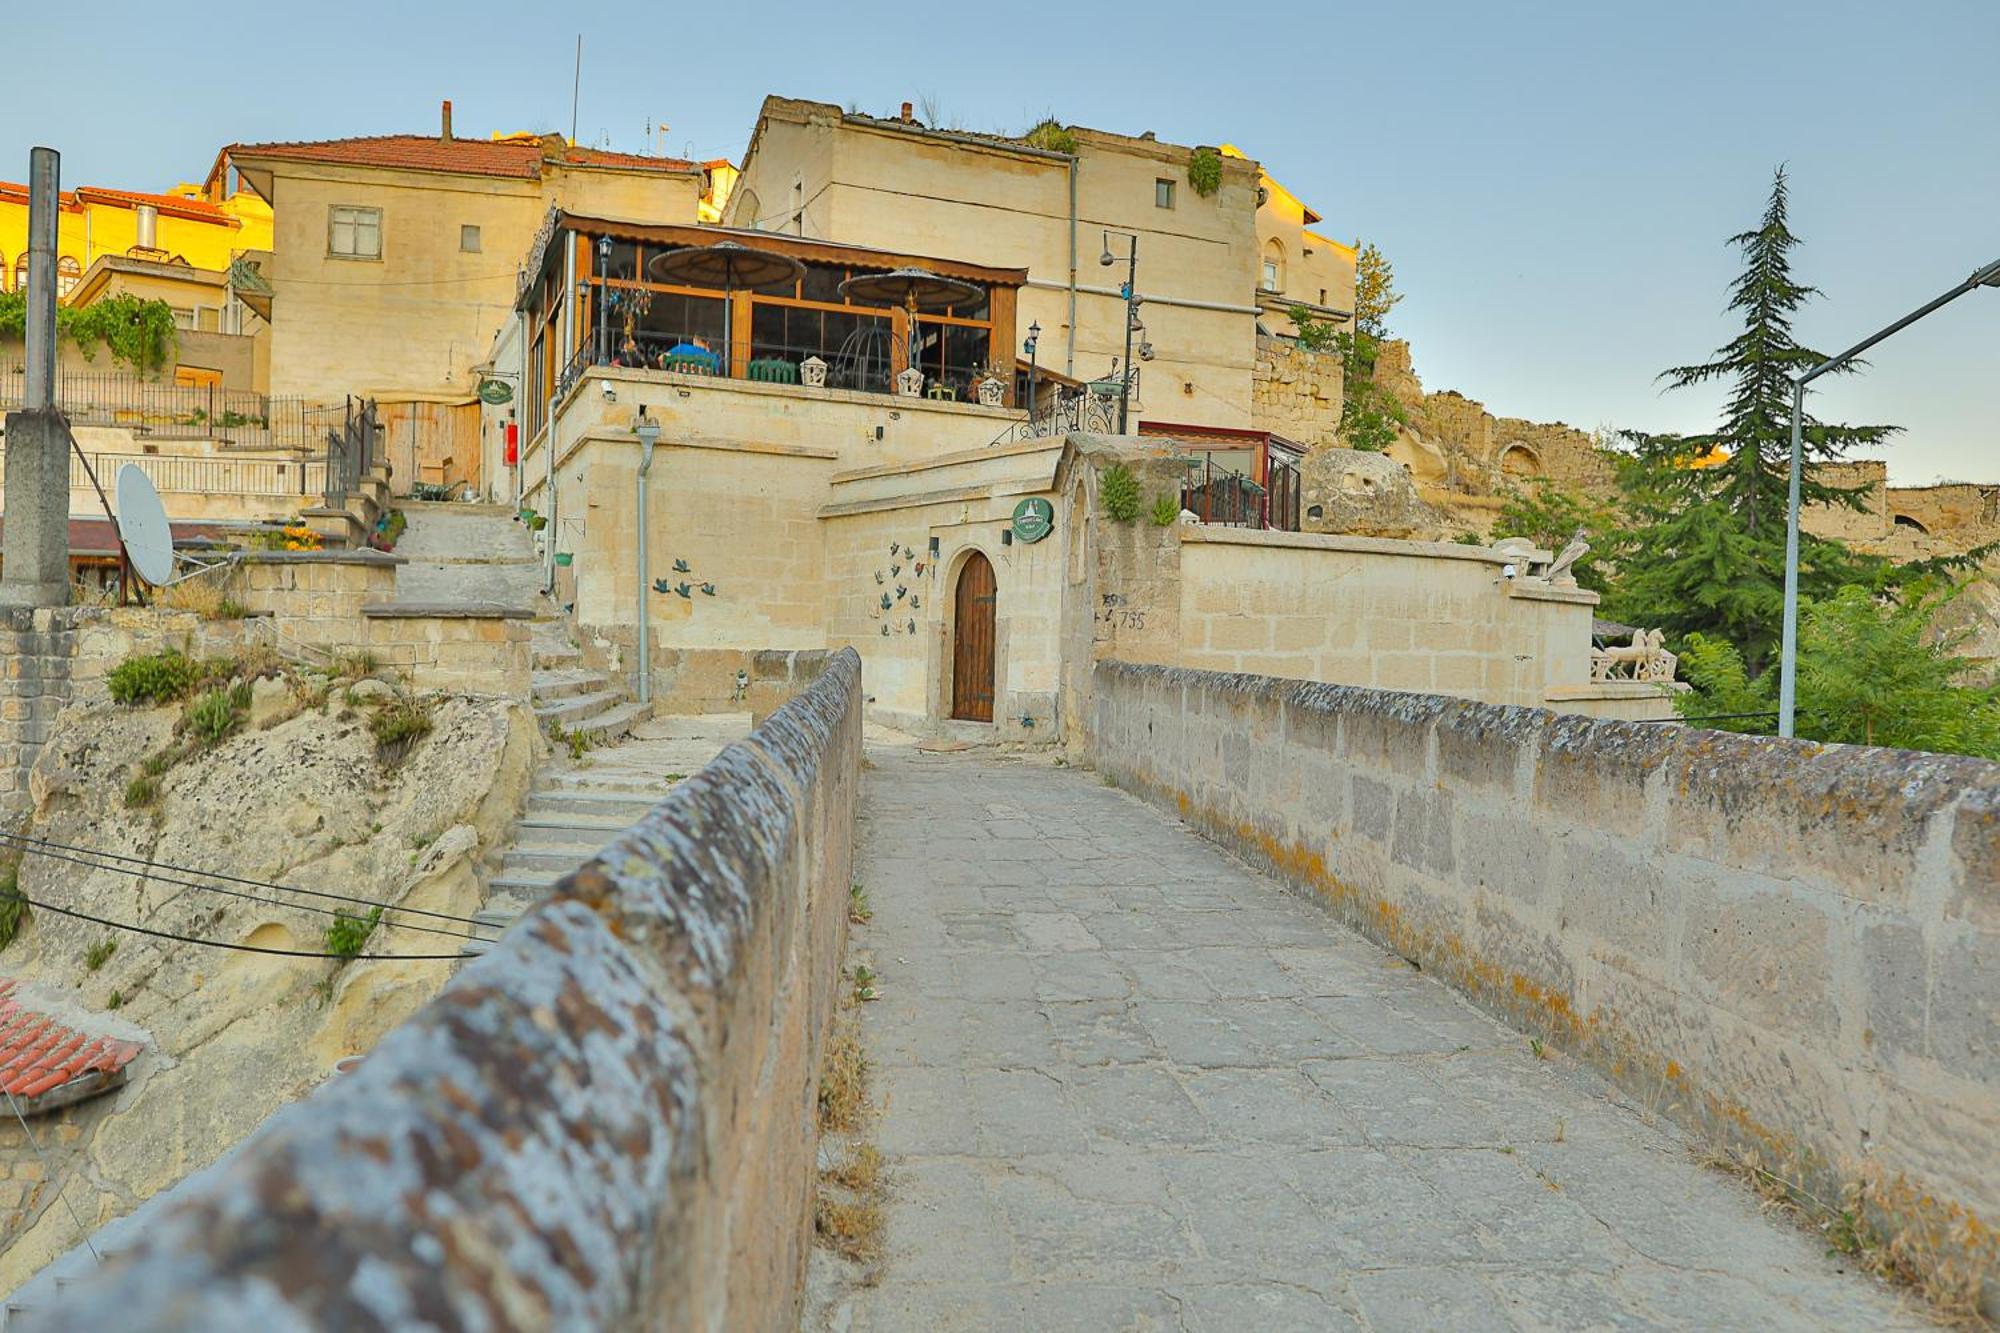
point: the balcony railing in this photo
(160, 410)
(861, 363)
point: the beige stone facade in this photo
(814, 170)
(417, 240)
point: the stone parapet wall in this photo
(1296, 393)
(609, 1121)
(697, 680)
(1790, 948)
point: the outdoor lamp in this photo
(1989, 276)
(1106, 258)
(1034, 335)
(1145, 351)
(603, 253)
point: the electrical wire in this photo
(89, 864)
(240, 948)
(238, 879)
(49, 1173)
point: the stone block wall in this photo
(695, 680)
(1296, 393)
(609, 1121)
(36, 646)
(1791, 948)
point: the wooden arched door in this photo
(972, 641)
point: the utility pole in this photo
(36, 544)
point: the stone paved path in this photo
(1131, 1083)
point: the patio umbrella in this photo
(912, 288)
(725, 264)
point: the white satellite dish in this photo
(142, 524)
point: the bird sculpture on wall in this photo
(913, 627)
(1567, 557)
(885, 629)
(682, 590)
(680, 566)
(708, 589)
(894, 570)
(895, 548)
(878, 576)
(887, 601)
(917, 568)
(915, 601)
(901, 592)
(662, 586)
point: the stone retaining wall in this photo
(1790, 947)
(609, 1121)
(35, 651)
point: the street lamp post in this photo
(1034, 341)
(1788, 648)
(603, 311)
(1130, 291)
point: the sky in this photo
(1554, 183)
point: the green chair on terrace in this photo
(774, 370)
(942, 392)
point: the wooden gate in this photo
(972, 641)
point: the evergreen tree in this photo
(1707, 539)
(1369, 413)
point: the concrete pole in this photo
(36, 545)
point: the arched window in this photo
(1905, 521)
(21, 273)
(68, 274)
(1273, 279)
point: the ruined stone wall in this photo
(606, 1122)
(1296, 393)
(1787, 946)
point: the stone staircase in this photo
(579, 804)
(573, 698)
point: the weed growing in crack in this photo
(858, 910)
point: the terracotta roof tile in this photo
(45, 1063)
(172, 205)
(519, 158)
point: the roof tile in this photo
(519, 158)
(41, 1057)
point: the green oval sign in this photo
(1033, 518)
(496, 392)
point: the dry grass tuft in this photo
(843, 1081)
(853, 1227)
(861, 1172)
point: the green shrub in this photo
(1051, 137)
(159, 678)
(1205, 171)
(215, 714)
(141, 791)
(231, 609)
(1166, 508)
(346, 936)
(399, 724)
(98, 954)
(1118, 493)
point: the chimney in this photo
(445, 133)
(906, 113)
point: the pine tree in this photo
(1707, 540)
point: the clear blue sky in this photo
(1553, 181)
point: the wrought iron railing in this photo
(351, 451)
(1226, 498)
(168, 411)
(1087, 409)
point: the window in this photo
(1322, 296)
(1163, 193)
(354, 233)
(468, 239)
(183, 318)
(68, 274)
(1274, 268)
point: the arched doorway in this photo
(973, 609)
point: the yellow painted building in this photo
(182, 227)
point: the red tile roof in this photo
(43, 1061)
(518, 157)
(172, 205)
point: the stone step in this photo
(588, 835)
(557, 656)
(555, 861)
(581, 804)
(549, 686)
(574, 708)
(612, 723)
(599, 782)
(526, 887)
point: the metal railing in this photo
(168, 411)
(1090, 409)
(351, 451)
(208, 476)
(1231, 499)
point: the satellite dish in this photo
(142, 524)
